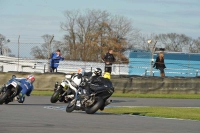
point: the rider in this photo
(95, 76)
(94, 79)
(26, 87)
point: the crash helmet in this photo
(81, 71)
(30, 78)
(98, 71)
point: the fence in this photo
(140, 62)
(20, 59)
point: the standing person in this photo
(54, 61)
(109, 59)
(160, 64)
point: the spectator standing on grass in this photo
(109, 59)
(55, 59)
(160, 64)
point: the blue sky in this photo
(33, 18)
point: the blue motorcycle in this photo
(10, 91)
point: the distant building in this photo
(177, 63)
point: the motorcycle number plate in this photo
(14, 84)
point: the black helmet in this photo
(98, 72)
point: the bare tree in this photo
(42, 52)
(195, 46)
(3, 49)
(2, 42)
(174, 42)
(89, 34)
(37, 53)
(140, 43)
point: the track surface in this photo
(38, 115)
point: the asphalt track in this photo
(38, 115)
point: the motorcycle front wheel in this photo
(55, 96)
(96, 106)
(71, 106)
(4, 95)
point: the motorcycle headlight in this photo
(64, 85)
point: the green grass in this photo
(157, 95)
(165, 112)
(132, 95)
(42, 93)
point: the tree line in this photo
(90, 33)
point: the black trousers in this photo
(52, 69)
(161, 70)
(108, 68)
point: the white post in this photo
(152, 56)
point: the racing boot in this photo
(21, 98)
(105, 104)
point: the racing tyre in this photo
(96, 106)
(55, 96)
(3, 96)
(7, 101)
(71, 106)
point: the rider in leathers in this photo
(25, 86)
(94, 80)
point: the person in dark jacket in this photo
(108, 59)
(160, 64)
(94, 79)
(54, 61)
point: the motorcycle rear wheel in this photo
(96, 106)
(4, 95)
(55, 96)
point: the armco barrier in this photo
(125, 84)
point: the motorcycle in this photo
(98, 97)
(62, 91)
(10, 90)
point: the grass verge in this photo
(158, 95)
(132, 95)
(42, 93)
(165, 112)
